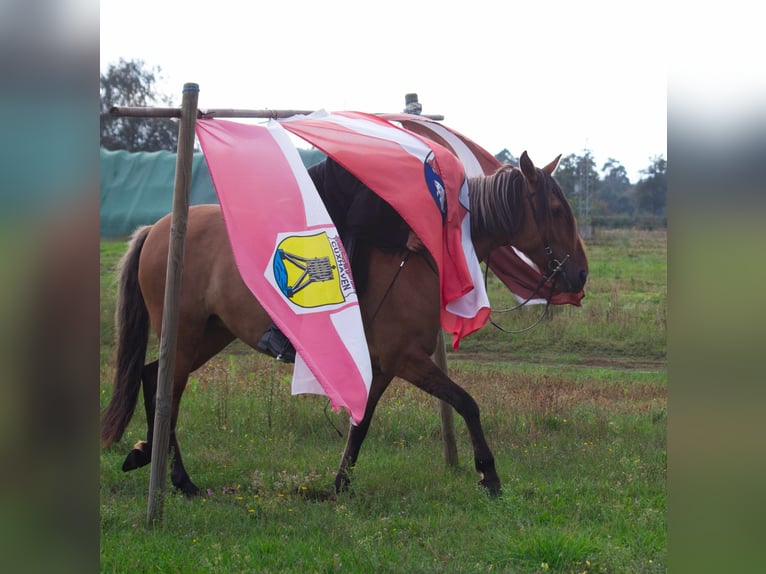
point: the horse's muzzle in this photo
(574, 280)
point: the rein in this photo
(556, 266)
(375, 314)
(391, 285)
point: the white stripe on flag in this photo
(470, 163)
(387, 131)
(469, 304)
(316, 213)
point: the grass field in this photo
(574, 410)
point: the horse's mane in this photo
(496, 201)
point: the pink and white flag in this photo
(289, 253)
(425, 183)
(516, 271)
(290, 256)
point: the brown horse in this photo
(524, 207)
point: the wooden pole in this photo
(446, 411)
(169, 335)
(447, 414)
(158, 112)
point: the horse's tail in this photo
(132, 328)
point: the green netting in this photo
(137, 188)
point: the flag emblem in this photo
(311, 270)
(435, 185)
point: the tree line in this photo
(601, 197)
(606, 196)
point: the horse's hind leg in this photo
(191, 357)
(178, 475)
(357, 433)
(214, 340)
(425, 375)
(141, 454)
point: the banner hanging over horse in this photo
(517, 272)
(290, 255)
(268, 201)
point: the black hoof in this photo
(492, 487)
(189, 489)
(342, 482)
(141, 455)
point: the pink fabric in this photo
(269, 203)
(516, 274)
(391, 162)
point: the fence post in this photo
(169, 335)
(446, 411)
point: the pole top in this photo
(411, 104)
(191, 87)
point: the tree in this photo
(614, 193)
(651, 192)
(579, 181)
(504, 156)
(131, 84)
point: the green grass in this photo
(623, 313)
(577, 426)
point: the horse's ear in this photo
(528, 168)
(551, 167)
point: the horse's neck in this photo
(484, 243)
(497, 222)
(483, 246)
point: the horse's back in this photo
(400, 307)
(211, 286)
(204, 245)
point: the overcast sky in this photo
(549, 78)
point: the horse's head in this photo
(551, 239)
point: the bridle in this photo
(555, 265)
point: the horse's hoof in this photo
(138, 457)
(189, 489)
(492, 487)
(342, 482)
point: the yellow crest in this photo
(311, 271)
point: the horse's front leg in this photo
(424, 374)
(357, 433)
